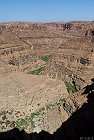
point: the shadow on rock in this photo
(89, 88)
(79, 126)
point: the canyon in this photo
(44, 71)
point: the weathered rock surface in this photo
(22, 94)
(55, 52)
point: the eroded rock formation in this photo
(60, 51)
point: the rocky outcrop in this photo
(61, 51)
(25, 43)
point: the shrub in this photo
(37, 71)
(46, 58)
(71, 88)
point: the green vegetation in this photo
(21, 124)
(28, 120)
(61, 100)
(50, 106)
(46, 58)
(37, 71)
(71, 88)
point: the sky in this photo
(46, 10)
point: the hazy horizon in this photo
(5, 22)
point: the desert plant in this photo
(37, 71)
(46, 58)
(71, 88)
(28, 120)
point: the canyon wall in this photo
(70, 45)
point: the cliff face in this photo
(70, 45)
(60, 51)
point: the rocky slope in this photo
(35, 59)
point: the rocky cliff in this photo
(55, 52)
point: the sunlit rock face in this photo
(36, 60)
